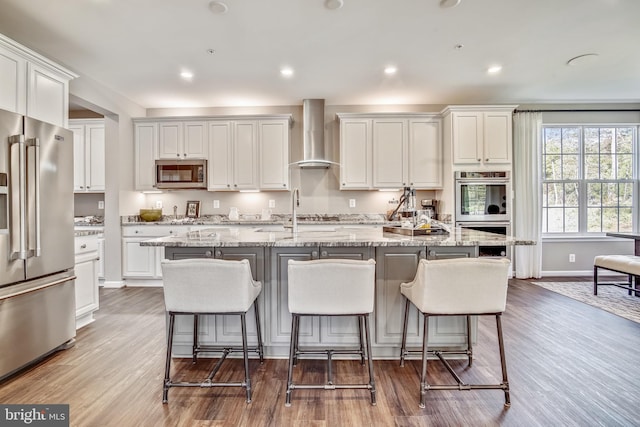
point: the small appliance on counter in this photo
(429, 208)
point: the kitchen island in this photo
(269, 249)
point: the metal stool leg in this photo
(469, 343)
(194, 352)
(503, 362)
(423, 376)
(403, 349)
(259, 331)
(245, 352)
(295, 341)
(292, 346)
(595, 280)
(360, 333)
(167, 366)
(372, 381)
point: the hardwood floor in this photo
(569, 365)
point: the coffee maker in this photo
(429, 208)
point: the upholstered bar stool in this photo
(210, 286)
(331, 287)
(454, 287)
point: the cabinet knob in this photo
(218, 253)
(411, 184)
(235, 185)
(344, 183)
(83, 246)
(208, 253)
(324, 253)
(171, 232)
(82, 186)
(432, 253)
(228, 185)
(88, 187)
(486, 160)
(404, 183)
(479, 160)
(185, 154)
(178, 154)
(284, 185)
(314, 254)
(137, 231)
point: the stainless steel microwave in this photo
(173, 174)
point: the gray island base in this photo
(269, 251)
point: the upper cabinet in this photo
(390, 151)
(32, 85)
(480, 136)
(249, 154)
(183, 140)
(145, 143)
(88, 155)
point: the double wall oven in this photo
(483, 202)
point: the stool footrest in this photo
(330, 386)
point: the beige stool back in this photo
(459, 286)
(208, 286)
(331, 286)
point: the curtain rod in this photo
(578, 111)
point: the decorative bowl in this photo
(150, 215)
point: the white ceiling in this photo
(138, 48)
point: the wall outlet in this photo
(159, 204)
(272, 203)
(352, 203)
(101, 204)
(572, 257)
(216, 204)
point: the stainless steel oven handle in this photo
(35, 143)
(19, 180)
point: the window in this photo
(588, 179)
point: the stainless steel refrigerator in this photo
(37, 298)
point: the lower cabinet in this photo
(86, 284)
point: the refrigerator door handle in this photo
(19, 182)
(35, 143)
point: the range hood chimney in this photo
(313, 155)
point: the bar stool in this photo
(210, 286)
(453, 287)
(331, 287)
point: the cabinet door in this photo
(78, 158)
(48, 96)
(220, 169)
(467, 137)
(395, 266)
(228, 328)
(355, 154)
(86, 287)
(195, 140)
(278, 310)
(497, 137)
(138, 261)
(341, 330)
(245, 156)
(101, 258)
(13, 71)
(273, 143)
(424, 159)
(389, 153)
(94, 157)
(170, 141)
(146, 138)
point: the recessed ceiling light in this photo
(186, 75)
(211, 51)
(390, 70)
(333, 4)
(583, 59)
(287, 71)
(218, 7)
(449, 3)
(459, 46)
(494, 69)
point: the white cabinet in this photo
(145, 142)
(481, 135)
(233, 164)
(390, 151)
(182, 140)
(273, 149)
(31, 84)
(88, 155)
(86, 284)
(101, 258)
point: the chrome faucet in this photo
(295, 202)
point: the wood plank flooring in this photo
(569, 365)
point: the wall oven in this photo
(483, 196)
(497, 227)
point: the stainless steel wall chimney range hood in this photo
(313, 155)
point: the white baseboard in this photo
(564, 273)
(143, 283)
(113, 284)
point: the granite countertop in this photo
(340, 237)
(254, 219)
